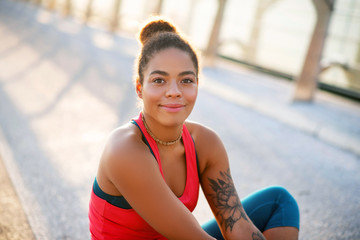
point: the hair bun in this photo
(154, 27)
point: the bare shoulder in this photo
(209, 147)
(202, 135)
(124, 145)
(124, 153)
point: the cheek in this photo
(191, 94)
(153, 93)
(151, 96)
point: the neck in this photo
(166, 141)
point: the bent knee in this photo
(280, 191)
(283, 196)
(288, 205)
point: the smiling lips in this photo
(172, 107)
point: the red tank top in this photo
(108, 221)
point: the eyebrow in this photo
(167, 74)
(187, 73)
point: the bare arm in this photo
(220, 192)
(233, 221)
(135, 173)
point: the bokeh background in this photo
(66, 81)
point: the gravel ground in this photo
(13, 222)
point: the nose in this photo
(173, 90)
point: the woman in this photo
(149, 174)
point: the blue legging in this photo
(267, 208)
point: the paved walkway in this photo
(65, 86)
(13, 221)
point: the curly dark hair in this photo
(158, 35)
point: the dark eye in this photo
(187, 80)
(158, 80)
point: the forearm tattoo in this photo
(226, 200)
(258, 236)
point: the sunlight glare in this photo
(103, 40)
(44, 17)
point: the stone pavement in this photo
(64, 86)
(13, 221)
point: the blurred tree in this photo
(190, 16)
(159, 6)
(211, 49)
(88, 11)
(68, 7)
(306, 83)
(51, 4)
(358, 56)
(114, 24)
(250, 50)
(153, 8)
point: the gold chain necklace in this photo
(155, 138)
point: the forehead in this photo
(171, 59)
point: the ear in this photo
(138, 88)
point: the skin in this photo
(169, 92)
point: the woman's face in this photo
(170, 87)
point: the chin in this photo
(175, 119)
